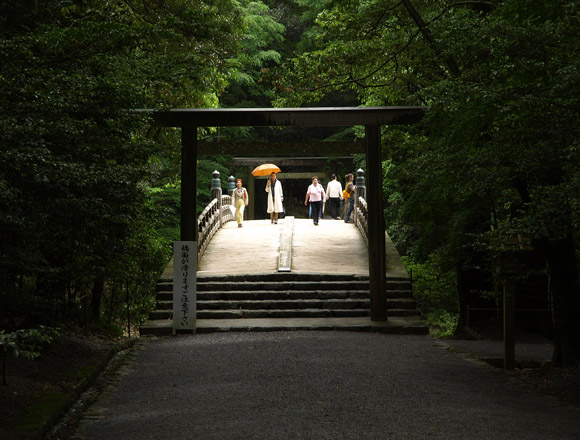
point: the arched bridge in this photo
(290, 275)
(282, 298)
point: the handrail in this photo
(213, 217)
(361, 218)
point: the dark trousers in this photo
(334, 206)
(350, 204)
(316, 210)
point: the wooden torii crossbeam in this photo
(371, 117)
(284, 149)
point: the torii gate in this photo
(371, 117)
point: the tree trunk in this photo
(462, 322)
(4, 356)
(98, 289)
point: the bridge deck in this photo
(332, 247)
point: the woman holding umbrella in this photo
(275, 197)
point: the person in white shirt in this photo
(316, 195)
(334, 195)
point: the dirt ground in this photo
(39, 391)
(562, 383)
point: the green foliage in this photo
(166, 201)
(261, 32)
(89, 193)
(496, 157)
(442, 323)
(76, 161)
(435, 290)
(433, 287)
(27, 343)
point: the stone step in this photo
(278, 295)
(393, 325)
(279, 276)
(204, 286)
(270, 305)
(283, 304)
(282, 297)
(334, 303)
(290, 313)
(279, 314)
(263, 313)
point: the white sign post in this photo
(184, 286)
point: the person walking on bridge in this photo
(241, 200)
(275, 197)
(316, 195)
(348, 195)
(334, 196)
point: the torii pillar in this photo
(376, 224)
(188, 229)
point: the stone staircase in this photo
(278, 301)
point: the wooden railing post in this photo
(362, 219)
(231, 188)
(360, 189)
(231, 185)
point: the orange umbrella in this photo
(265, 169)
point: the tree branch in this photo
(358, 81)
(449, 61)
(423, 29)
(376, 25)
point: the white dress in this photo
(278, 196)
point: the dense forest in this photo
(487, 184)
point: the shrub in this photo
(27, 343)
(435, 290)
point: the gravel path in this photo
(317, 385)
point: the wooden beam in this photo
(376, 225)
(295, 176)
(259, 149)
(288, 161)
(285, 117)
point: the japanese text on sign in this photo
(184, 285)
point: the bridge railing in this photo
(361, 218)
(215, 214)
(360, 212)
